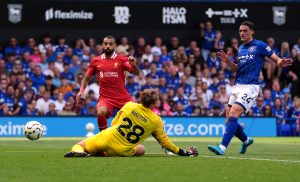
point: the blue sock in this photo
(240, 134)
(230, 131)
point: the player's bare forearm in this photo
(84, 82)
(135, 70)
(281, 62)
(233, 67)
(225, 58)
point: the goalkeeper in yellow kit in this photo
(132, 125)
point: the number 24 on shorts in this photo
(133, 136)
(246, 99)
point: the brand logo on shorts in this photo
(14, 12)
(279, 15)
(101, 74)
(121, 15)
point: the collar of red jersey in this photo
(113, 56)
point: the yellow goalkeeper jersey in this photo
(133, 124)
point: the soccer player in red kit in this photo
(110, 68)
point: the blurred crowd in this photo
(43, 77)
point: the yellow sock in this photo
(77, 148)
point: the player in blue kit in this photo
(251, 56)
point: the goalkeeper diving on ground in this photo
(131, 126)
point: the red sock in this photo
(102, 122)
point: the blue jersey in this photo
(78, 52)
(280, 113)
(250, 61)
(68, 75)
(133, 89)
(172, 81)
(182, 100)
(186, 87)
(257, 111)
(208, 39)
(294, 112)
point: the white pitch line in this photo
(204, 156)
(30, 151)
(254, 159)
(239, 158)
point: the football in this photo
(33, 130)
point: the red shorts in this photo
(112, 104)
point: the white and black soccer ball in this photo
(33, 130)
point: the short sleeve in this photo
(126, 65)
(265, 50)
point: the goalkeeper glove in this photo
(191, 151)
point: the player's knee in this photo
(236, 111)
(102, 111)
(140, 150)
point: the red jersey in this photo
(111, 75)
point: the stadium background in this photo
(177, 21)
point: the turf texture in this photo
(268, 159)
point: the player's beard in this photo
(108, 52)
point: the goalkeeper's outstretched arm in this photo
(166, 143)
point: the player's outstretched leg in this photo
(245, 145)
(77, 151)
(247, 141)
(230, 131)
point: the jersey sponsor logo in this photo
(227, 16)
(108, 74)
(14, 12)
(121, 14)
(243, 59)
(279, 15)
(174, 15)
(251, 49)
(68, 15)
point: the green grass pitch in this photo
(269, 159)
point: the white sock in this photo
(247, 141)
(222, 147)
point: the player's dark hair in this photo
(249, 24)
(110, 37)
(149, 97)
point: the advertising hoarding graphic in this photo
(174, 15)
(227, 16)
(159, 16)
(121, 14)
(174, 126)
(68, 15)
(14, 12)
(279, 15)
